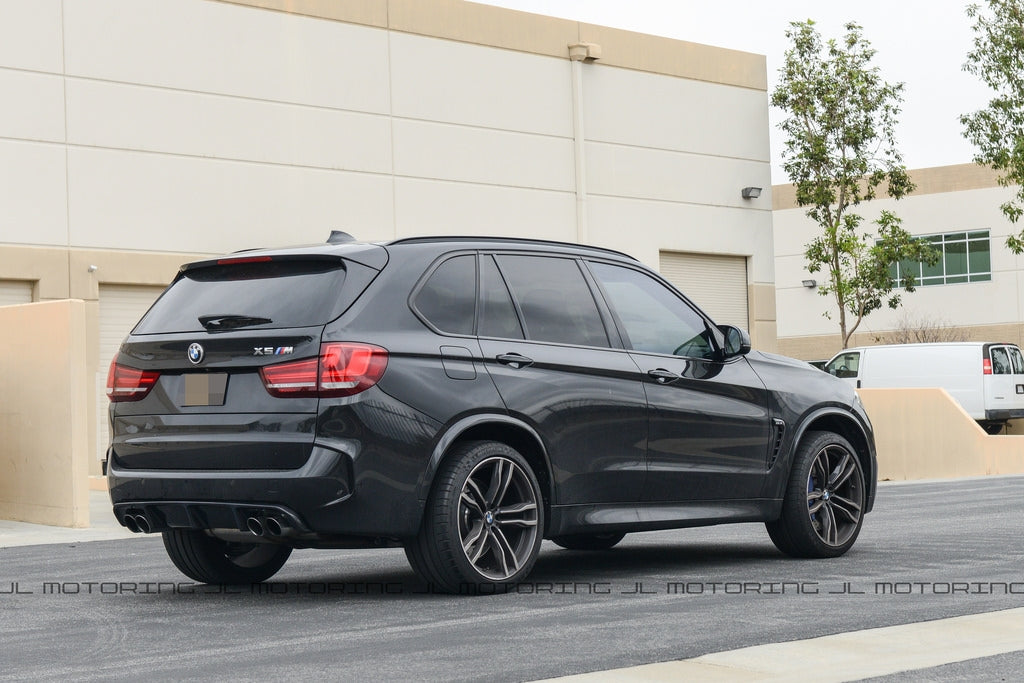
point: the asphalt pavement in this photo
(118, 608)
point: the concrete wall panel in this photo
(160, 120)
(664, 112)
(30, 35)
(437, 80)
(638, 172)
(430, 207)
(219, 48)
(32, 193)
(133, 200)
(643, 227)
(32, 106)
(443, 151)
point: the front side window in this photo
(654, 318)
(964, 257)
(448, 298)
(844, 365)
(555, 300)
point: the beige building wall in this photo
(948, 199)
(44, 416)
(926, 434)
(136, 136)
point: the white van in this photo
(987, 379)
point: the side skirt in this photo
(580, 519)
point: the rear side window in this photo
(555, 299)
(1000, 361)
(263, 295)
(1016, 360)
(448, 298)
(497, 312)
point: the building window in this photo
(966, 257)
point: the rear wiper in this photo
(214, 323)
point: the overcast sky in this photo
(922, 44)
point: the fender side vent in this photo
(779, 431)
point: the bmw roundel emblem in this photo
(195, 354)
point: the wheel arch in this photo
(491, 427)
(849, 427)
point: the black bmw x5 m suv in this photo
(463, 398)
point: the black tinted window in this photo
(845, 365)
(1000, 361)
(654, 318)
(262, 295)
(497, 313)
(448, 299)
(555, 300)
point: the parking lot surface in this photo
(118, 608)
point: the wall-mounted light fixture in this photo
(751, 192)
(810, 284)
(580, 52)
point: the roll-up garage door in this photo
(13, 292)
(718, 284)
(121, 306)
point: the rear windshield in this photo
(270, 295)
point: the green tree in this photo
(998, 130)
(840, 150)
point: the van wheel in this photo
(207, 559)
(822, 510)
(483, 523)
(588, 541)
(992, 427)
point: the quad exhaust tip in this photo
(137, 524)
(268, 526)
(255, 526)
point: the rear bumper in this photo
(1003, 415)
(316, 502)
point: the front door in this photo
(709, 424)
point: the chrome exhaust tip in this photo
(255, 526)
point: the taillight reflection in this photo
(129, 384)
(342, 369)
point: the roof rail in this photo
(516, 240)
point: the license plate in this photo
(205, 389)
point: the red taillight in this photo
(341, 370)
(129, 384)
(986, 367)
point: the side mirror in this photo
(737, 341)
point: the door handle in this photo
(663, 376)
(515, 360)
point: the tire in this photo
(483, 523)
(588, 541)
(993, 428)
(821, 519)
(206, 559)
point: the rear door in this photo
(547, 347)
(1004, 387)
(204, 347)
